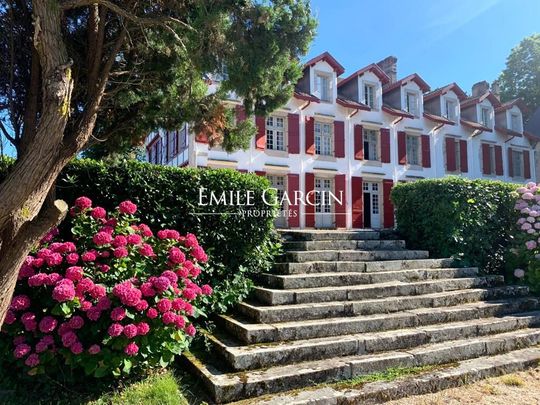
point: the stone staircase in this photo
(342, 304)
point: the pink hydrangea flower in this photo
(206, 289)
(168, 318)
(127, 207)
(10, 318)
(142, 328)
(115, 329)
(176, 256)
(98, 213)
(145, 230)
(190, 330)
(76, 322)
(72, 258)
(32, 360)
(134, 239)
(69, 338)
(89, 256)
(104, 303)
(47, 324)
(519, 273)
(93, 314)
(142, 305)
(179, 322)
(118, 313)
(130, 331)
(164, 305)
(20, 302)
(94, 349)
(98, 291)
(74, 273)
(531, 244)
(147, 289)
(173, 278)
(120, 252)
(146, 250)
(161, 283)
(131, 349)
(76, 348)
(21, 350)
(102, 238)
(152, 313)
(199, 254)
(63, 292)
(189, 293)
(83, 203)
(54, 259)
(119, 240)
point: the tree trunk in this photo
(23, 217)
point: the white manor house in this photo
(356, 136)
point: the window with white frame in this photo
(485, 113)
(369, 95)
(371, 144)
(450, 109)
(323, 86)
(413, 150)
(515, 122)
(278, 182)
(323, 138)
(275, 133)
(411, 103)
(518, 165)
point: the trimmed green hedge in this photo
(472, 220)
(238, 246)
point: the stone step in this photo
(344, 245)
(270, 296)
(352, 255)
(361, 267)
(353, 278)
(242, 357)
(226, 387)
(296, 312)
(326, 234)
(250, 332)
(448, 376)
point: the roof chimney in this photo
(480, 88)
(496, 89)
(389, 66)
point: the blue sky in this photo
(462, 41)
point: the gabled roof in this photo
(438, 119)
(305, 96)
(475, 125)
(345, 102)
(402, 82)
(509, 104)
(507, 131)
(383, 77)
(445, 89)
(396, 111)
(325, 56)
(478, 99)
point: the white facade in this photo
(362, 150)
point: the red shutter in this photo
(426, 151)
(402, 147)
(486, 161)
(294, 133)
(242, 170)
(339, 139)
(293, 185)
(498, 161)
(357, 202)
(340, 185)
(260, 173)
(310, 200)
(310, 136)
(201, 138)
(260, 139)
(385, 145)
(463, 156)
(240, 113)
(527, 164)
(358, 143)
(388, 215)
(450, 155)
(510, 163)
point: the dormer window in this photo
(369, 95)
(450, 110)
(485, 118)
(323, 86)
(515, 122)
(411, 103)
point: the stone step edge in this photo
(253, 332)
(253, 306)
(367, 343)
(362, 267)
(464, 373)
(227, 387)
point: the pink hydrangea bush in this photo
(115, 297)
(527, 238)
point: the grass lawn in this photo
(168, 387)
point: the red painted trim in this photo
(475, 125)
(396, 111)
(499, 171)
(402, 82)
(357, 202)
(402, 147)
(461, 95)
(293, 184)
(352, 104)
(260, 173)
(310, 209)
(463, 156)
(383, 77)
(260, 138)
(339, 139)
(510, 163)
(486, 161)
(310, 135)
(527, 164)
(358, 142)
(450, 154)
(426, 151)
(340, 210)
(306, 97)
(293, 124)
(385, 145)
(338, 68)
(508, 131)
(242, 170)
(438, 119)
(388, 215)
